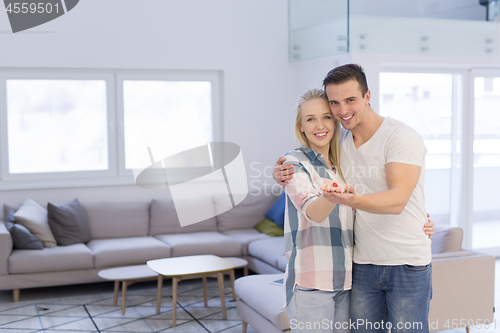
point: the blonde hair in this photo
(334, 152)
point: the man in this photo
(383, 161)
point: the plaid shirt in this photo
(319, 254)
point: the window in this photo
(457, 115)
(156, 113)
(75, 124)
(56, 126)
(486, 122)
(486, 162)
(431, 104)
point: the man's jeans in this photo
(313, 310)
(404, 291)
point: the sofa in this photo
(131, 233)
(463, 285)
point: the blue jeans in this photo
(313, 310)
(398, 296)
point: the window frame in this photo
(57, 75)
(208, 76)
(116, 174)
(468, 174)
(424, 70)
(462, 182)
(459, 160)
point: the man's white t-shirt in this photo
(387, 239)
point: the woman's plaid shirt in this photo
(319, 254)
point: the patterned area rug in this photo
(89, 308)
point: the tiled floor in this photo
(89, 308)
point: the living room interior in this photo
(434, 64)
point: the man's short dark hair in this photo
(345, 73)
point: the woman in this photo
(318, 234)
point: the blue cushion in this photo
(277, 211)
(22, 238)
(10, 216)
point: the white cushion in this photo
(268, 250)
(447, 240)
(164, 219)
(197, 243)
(282, 262)
(117, 219)
(59, 258)
(127, 251)
(246, 214)
(34, 218)
(265, 298)
(245, 237)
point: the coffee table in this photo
(127, 275)
(237, 263)
(190, 267)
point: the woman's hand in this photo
(333, 187)
(282, 173)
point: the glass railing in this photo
(321, 28)
(317, 28)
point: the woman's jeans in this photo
(313, 310)
(390, 296)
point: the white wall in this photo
(246, 40)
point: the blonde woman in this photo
(318, 233)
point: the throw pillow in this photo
(68, 221)
(277, 211)
(22, 238)
(34, 218)
(10, 206)
(269, 228)
(249, 211)
(10, 216)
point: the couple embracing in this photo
(356, 236)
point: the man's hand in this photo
(429, 227)
(341, 195)
(282, 173)
(401, 181)
(347, 195)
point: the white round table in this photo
(127, 275)
(190, 267)
(237, 263)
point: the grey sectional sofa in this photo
(133, 233)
